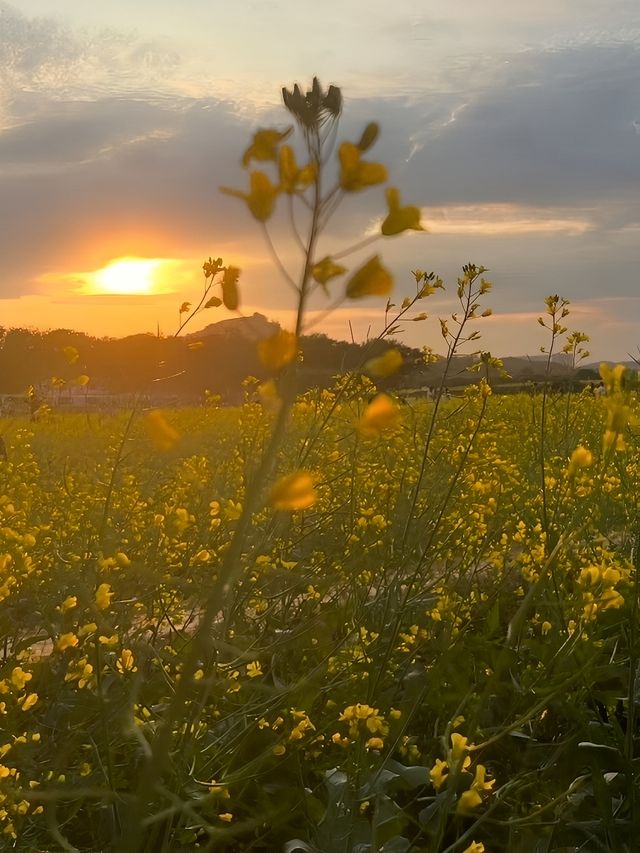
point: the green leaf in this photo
(388, 819)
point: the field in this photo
(427, 642)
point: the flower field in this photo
(425, 646)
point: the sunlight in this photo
(126, 276)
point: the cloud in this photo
(555, 127)
(507, 220)
(43, 55)
(499, 219)
(75, 132)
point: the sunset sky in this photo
(515, 126)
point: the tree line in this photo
(183, 367)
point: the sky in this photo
(515, 127)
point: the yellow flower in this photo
(381, 414)
(485, 388)
(66, 641)
(356, 175)
(610, 599)
(303, 727)
(163, 436)
(468, 800)
(372, 279)
(19, 677)
(103, 596)
(30, 701)
(264, 146)
(480, 783)
(232, 510)
(580, 458)
(261, 197)
(438, 773)
(613, 439)
(278, 350)
(126, 662)
(374, 722)
(399, 218)
(80, 672)
(475, 847)
(375, 743)
(325, 270)
(611, 575)
(254, 669)
(227, 817)
(590, 608)
(292, 178)
(218, 790)
(386, 364)
(612, 377)
(459, 746)
(589, 576)
(69, 602)
(293, 492)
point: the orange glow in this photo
(126, 277)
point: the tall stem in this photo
(203, 639)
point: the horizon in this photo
(588, 362)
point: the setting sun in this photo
(126, 276)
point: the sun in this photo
(126, 277)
